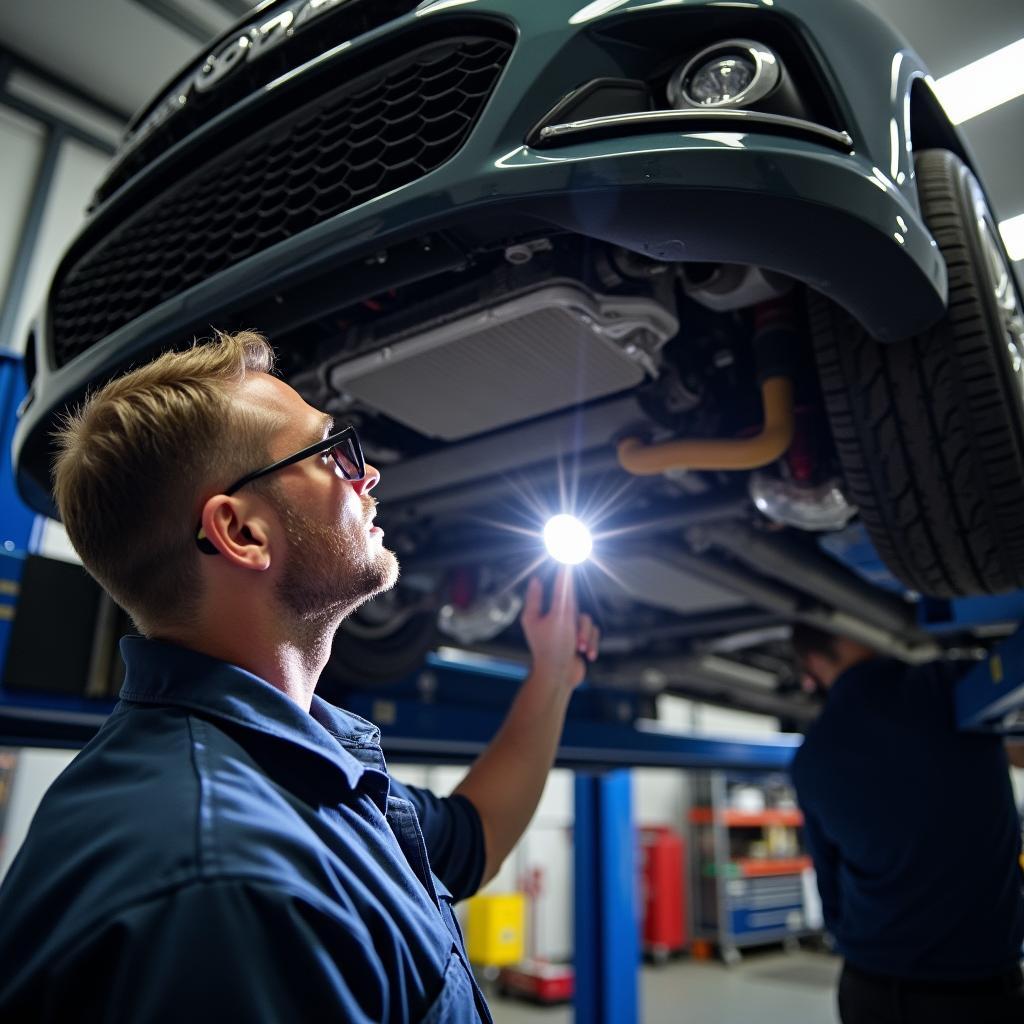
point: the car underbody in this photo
(502, 242)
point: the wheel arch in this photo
(930, 126)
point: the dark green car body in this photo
(830, 202)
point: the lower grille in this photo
(354, 143)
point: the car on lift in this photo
(720, 278)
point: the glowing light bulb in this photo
(567, 540)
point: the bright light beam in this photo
(983, 84)
(568, 541)
(613, 576)
(608, 504)
(1012, 231)
(521, 575)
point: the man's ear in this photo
(239, 531)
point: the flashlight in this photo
(568, 541)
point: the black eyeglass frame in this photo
(328, 445)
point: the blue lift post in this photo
(607, 921)
(20, 527)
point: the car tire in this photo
(360, 662)
(930, 431)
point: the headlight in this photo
(734, 73)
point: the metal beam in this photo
(712, 624)
(714, 680)
(71, 131)
(803, 566)
(29, 238)
(58, 724)
(514, 450)
(235, 9)
(417, 732)
(11, 59)
(181, 19)
(782, 600)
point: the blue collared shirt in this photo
(215, 853)
(912, 827)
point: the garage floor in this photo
(772, 988)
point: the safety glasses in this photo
(343, 447)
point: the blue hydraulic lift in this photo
(447, 714)
(990, 697)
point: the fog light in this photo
(567, 540)
(721, 80)
(732, 74)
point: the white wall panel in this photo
(715, 721)
(33, 776)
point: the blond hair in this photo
(136, 459)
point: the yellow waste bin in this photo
(495, 927)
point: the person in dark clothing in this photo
(230, 847)
(915, 839)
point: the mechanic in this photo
(230, 846)
(915, 838)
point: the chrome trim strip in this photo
(728, 120)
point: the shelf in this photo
(756, 867)
(760, 867)
(747, 819)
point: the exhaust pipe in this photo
(906, 645)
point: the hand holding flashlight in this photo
(561, 640)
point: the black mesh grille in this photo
(353, 144)
(337, 23)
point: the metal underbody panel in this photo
(650, 580)
(555, 346)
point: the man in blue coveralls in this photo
(915, 839)
(230, 847)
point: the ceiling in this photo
(949, 34)
(123, 51)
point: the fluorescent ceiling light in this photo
(984, 84)
(1012, 231)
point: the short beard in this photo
(330, 571)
